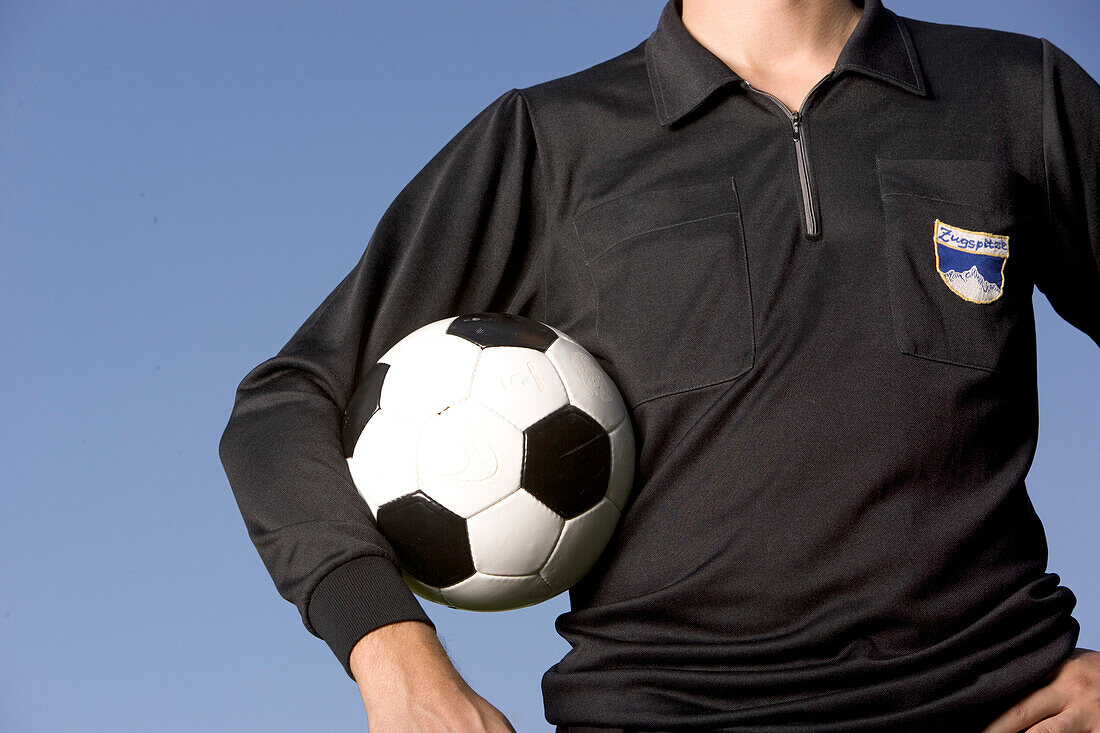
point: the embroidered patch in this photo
(971, 263)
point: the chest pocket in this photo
(956, 243)
(672, 288)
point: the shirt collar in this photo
(683, 72)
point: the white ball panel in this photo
(429, 592)
(519, 383)
(482, 592)
(582, 540)
(513, 536)
(622, 464)
(586, 383)
(432, 373)
(469, 458)
(383, 465)
(412, 342)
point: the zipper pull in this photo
(796, 119)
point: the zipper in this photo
(813, 224)
(798, 133)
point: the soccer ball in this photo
(496, 457)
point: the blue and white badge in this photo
(971, 263)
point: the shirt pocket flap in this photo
(982, 184)
(605, 225)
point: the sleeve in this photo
(463, 236)
(1069, 270)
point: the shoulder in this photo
(982, 55)
(982, 40)
(1001, 62)
(567, 96)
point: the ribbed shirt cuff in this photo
(357, 598)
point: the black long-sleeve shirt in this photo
(822, 326)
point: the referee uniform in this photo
(821, 321)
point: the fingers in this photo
(1038, 706)
(1067, 721)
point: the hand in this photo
(1070, 703)
(408, 684)
(438, 710)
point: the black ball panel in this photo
(430, 541)
(502, 329)
(362, 405)
(567, 461)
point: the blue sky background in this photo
(181, 184)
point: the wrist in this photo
(400, 649)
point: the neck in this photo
(763, 38)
